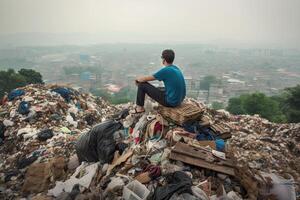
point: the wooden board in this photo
(201, 158)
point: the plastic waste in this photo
(7, 123)
(82, 176)
(15, 93)
(178, 182)
(98, 144)
(138, 126)
(220, 144)
(24, 162)
(135, 190)
(24, 107)
(45, 134)
(281, 188)
(115, 183)
(64, 92)
(2, 130)
(71, 121)
(65, 130)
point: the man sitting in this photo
(173, 79)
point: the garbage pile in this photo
(57, 143)
(40, 124)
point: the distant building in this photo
(85, 76)
(202, 96)
(215, 93)
(84, 58)
(192, 84)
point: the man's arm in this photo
(145, 79)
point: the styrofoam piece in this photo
(7, 123)
(135, 191)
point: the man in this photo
(173, 79)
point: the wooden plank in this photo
(219, 128)
(225, 136)
(191, 151)
(187, 150)
(202, 163)
(196, 144)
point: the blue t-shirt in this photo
(174, 84)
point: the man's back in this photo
(174, 83)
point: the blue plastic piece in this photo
(220, 144)
(24, 107)
(64, 92)
(15, 93)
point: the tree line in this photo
(281, 108)
(10, 79)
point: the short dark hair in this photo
(168, 55)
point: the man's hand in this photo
(140, 79)
(137, 81)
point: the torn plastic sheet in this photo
(85, 180)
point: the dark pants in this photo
(153, 92)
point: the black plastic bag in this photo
(177, 182)
(2, 130)
(98, 144)
(45, 135)
(24, 162)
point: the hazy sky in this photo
(254, 21)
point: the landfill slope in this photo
(41, 140)
(48, 111)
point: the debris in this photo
(98, 144)
(120, 160)
(73, 162)
(220, 144)
(24, 162)
(206, 187)
(198, 144)
(177, 182)
(65, 130)
(219, 155)
(15, 93)
(41, 197)
(8, 123)
(2, 130)
(115, 183)
(64, 92)
(27, 132)
(232, 195)
(156, 158)
(135, 190)
(201, 158)
(182, 113)
(45, 134)
(71, 121)
(24, 107)
(278, 187)
(84, 171)
(143, 177)
(222, 132)
(38, 176)
(22, 136)
(199, 193)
